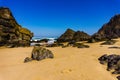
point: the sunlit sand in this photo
(69, 63)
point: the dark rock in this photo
(11, 46)
(71, 42)
(71, 35)
(40, 53)
(109, 30)
(55, 45)
(108, 42)
(83, 46)
(27, 59)
(67, 36)
(98, 37)
(11, 33)
(114, 47)
(116, 72)
(81, 36)
(60, 44)
(91, 40)
(103, 59)
(44, 40)
(80, 45)
(118, 77)
(112, 61)
(37, 45)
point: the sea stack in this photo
(11, 33)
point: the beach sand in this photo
(68, 64)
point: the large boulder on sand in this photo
(112, 61)
(39, 53)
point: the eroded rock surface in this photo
(11, 33)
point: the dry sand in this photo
(69, 64)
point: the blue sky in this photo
(53, 17)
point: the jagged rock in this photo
(71, 35)
(109, 42)
(103, 59)
(11, 33)
(80, 45)
(27, 59)
(80, 36)
(96, 38)
(71, 43)
(114, 47)
(55, 45)
(91, 40)
(67, 36)
(118, 77)
(40, 53)
(83, 46)
(112, 61)
(109, 30)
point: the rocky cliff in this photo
(11, 33)
(71, 35)
(109, 30)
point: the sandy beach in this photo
(68, 64)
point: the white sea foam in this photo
(51, 40)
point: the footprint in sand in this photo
(66, 71)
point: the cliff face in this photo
(11, 32)
(71, 35)
(111, 29)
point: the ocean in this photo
(44, 37)
(51, 40)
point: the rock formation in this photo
(27, 59)
(11, 33)
(67, 36)
(112, 61)
(80, 36)
(71, 35)
(109, 42)
(39, 53)
(109, 30)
